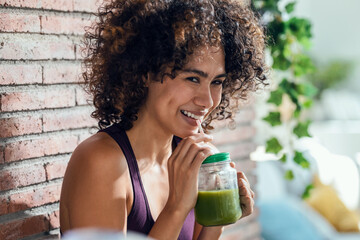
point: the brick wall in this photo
(239, 143)
(44, 115)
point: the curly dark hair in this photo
(132, 38)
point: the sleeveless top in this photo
(140, 218)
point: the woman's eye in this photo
(193, 79)
(217, 82)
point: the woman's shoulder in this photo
(96, 175)
(99, 153)
(99, 143)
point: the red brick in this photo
(21, 46)
(64, 25)
(82, 98)
(63, 5)
(62, 73)
(79, 53)
(20, 74)
(56, 169)
(40, 99)
(62, 144)
(10, 127)
(67, 120)
(34, 198)
(87, 6)
(245, 115)
(20, 3)
(245, 165)
(84, 136)
(12, 22)
(39, 147)
(54, 220)
(228, 136)
(11, 178)
(21, 228)
(4, 205)
(239, 150)
(2, 154)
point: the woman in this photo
(156, 70)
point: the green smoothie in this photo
(217, 207)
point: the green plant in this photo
(330, 74)
(288, 39)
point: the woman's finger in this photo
(243, 182)
(246, 199)
(200, 157)
(247, 205)
(182, 148)
(243, 176)
(185, 143)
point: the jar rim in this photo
(217, 157)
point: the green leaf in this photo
(290, 89)
(301, 129)
(289, 175)
(271, 5)
(275, 29)
(302, 65)
(283, 158)
(307, 89)
(308, 103)
(273, 146)
(306, 193)
(301, 160)
(290, 7)
(299, 27)
(273, 118)
(297, 113)
(281, 62)
(294, 96)
(276, 97)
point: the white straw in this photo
(201, 130)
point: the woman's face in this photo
(175, 105)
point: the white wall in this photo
(336, 31)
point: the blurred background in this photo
(308, 177)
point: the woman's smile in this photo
(192, 118)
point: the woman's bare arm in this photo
(94, 190)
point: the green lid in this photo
(218, 157)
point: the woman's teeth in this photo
(189, 114)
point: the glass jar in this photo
(218, 201)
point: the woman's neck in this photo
(150, 143)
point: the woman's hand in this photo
(183, 167)
(246, 195)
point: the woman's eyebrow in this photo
(201, 73)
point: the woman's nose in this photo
(203, 97)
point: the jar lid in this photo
(217, 157)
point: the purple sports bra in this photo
(140, 218)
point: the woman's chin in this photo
(187, 133)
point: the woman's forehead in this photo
(211, 57)
(205, 52)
